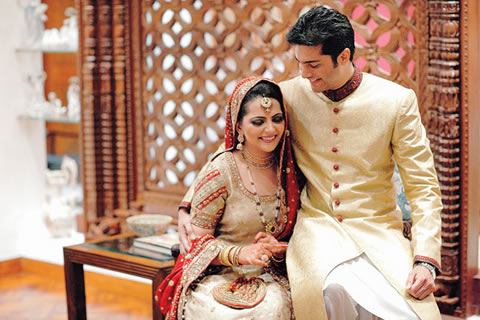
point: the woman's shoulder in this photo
(217, 173)
(222, 162)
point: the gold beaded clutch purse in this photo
(241, 294)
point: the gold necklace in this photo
(259, 163)
(272, 226)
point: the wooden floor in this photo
(26, 294)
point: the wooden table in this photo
(112, 253)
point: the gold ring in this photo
(265, 258)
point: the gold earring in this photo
(240, 142)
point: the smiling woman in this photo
(262, 127)
(240, 216)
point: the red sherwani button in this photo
(334, 149)
(336, 185)
(337, 202)
(336, 166)
(339, 218)
(335, 130)
(336, 110)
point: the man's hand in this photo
(185, 231)
(420, 282)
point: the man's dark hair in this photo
(324, 26)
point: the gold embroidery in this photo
(241, 294)
(238, 183)
(209, 199)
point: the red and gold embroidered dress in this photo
(220, 201)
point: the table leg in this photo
(75, 288)
(157, 315)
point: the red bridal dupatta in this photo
(171, 294)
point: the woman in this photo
(240, 217)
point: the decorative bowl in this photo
(149, 224)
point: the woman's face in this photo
(261, 129)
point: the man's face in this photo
(317, 68)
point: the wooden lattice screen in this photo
(156, 76)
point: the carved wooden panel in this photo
(193, 55)
(156, 76)
(442, 119)
(104, 149)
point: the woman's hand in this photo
(256, 253)
(260, 252)
(279, 248)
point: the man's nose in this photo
(305, 71)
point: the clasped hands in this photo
(263, 244)
(262, 249)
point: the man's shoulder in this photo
(381, 83)
(386, 90)
(292, 83)
(294, 88)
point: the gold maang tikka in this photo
(266, 103)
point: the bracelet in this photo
(223, 257)
(429, 267)
(278, 260)
(235, 256)
(229, 256)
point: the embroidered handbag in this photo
(241, 294)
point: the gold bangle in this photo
(235, 256)
(230, 260)
(278, 260)
(220, 256)
(230, 255)
(223, 256)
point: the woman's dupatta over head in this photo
(171, 293)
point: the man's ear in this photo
(344, 56)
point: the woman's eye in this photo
(277, 119)
(257, 122)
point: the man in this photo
(347, 258)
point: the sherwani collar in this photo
(347, 88)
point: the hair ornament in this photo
(266, 103)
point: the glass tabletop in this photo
(125, 245)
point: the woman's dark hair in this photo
(324, 26)
(261, 89)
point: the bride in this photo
(243, 209)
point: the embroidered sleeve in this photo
(208, 201)
(187, 199)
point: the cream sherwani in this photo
(347, 149)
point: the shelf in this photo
(60, 119)
(45, 50)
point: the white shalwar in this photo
(355, 289)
